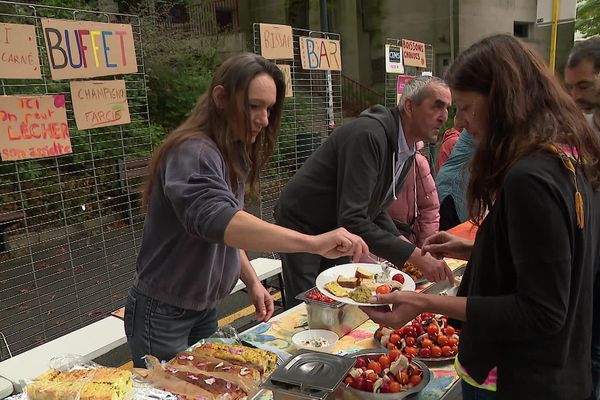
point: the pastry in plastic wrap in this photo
(218, 368)
(218, 387)
(185, 384)
(82, 384)
(263, 360)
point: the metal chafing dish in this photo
(336, 316)
(308, 375)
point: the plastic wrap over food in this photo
(72, 377)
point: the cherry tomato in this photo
(390, 346)
(425, 352)
(403, 378)
(454, 349)
(420, 330)
(372, 377)
(394, 338)
(426, 343)
(384, 361)
(452, 342)
(359, 382)
(375, 366)
(436, 351)
(432, 330)
(395, 387)
(449, 330)
(385, 388)
(415, 380)
(394, 354)
(410, 341)
(411, 331)
(446, 351)
(410, 351)
(348, 380)
(442, 340)
(398, 278)
(360, 362)
(383, 289)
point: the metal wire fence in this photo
(308, 118)
(68, 259)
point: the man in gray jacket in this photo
(352, 178)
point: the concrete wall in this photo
(479, 19)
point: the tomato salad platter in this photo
(428, 337)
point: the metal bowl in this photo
(350, 393)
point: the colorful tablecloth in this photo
(279, 331)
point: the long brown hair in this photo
(528, 109)
(228, 126)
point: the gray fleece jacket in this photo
(183, 260)
(345, 183)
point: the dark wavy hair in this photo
(528, 109)
(228, 127)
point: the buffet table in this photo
(279, 330)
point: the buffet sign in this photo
(413, 53)
(287, 76)
(85, 49)
(19, 58)
(276, 42)
(33, 127)
(99, 103)
(321, 54)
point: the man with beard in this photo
(582, 79)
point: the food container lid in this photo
(310, 370)
(303, 297)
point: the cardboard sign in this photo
(323, 54)
(402, 81)
(84, 49)
(414, 53)
(287, 75)
(99, 103)
(19, 58)
(276, 42)
(33, 127)
(393, 59)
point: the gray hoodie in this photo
(183, 260)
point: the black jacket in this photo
(529, 285)
(345, 182)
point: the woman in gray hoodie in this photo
(195, 226)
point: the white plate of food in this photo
(355, 283)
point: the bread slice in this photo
(336, 289)
(362, 273)
(348, 281)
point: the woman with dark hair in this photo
(195, 226)
(526, 297)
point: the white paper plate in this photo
(332, 274)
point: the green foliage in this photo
(588, 17)
(174, 90)
(179, 64)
